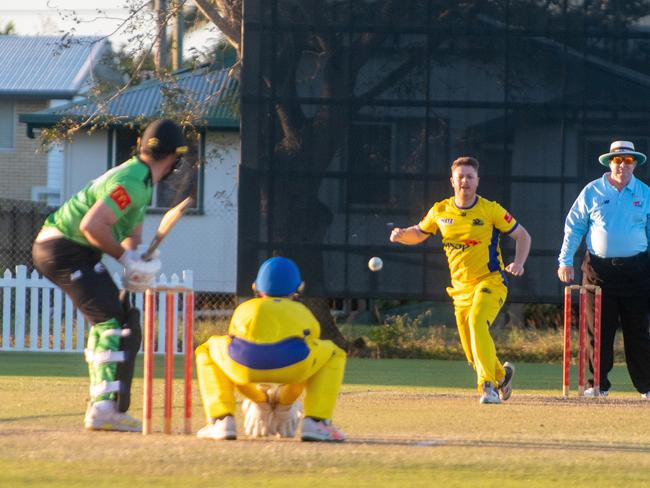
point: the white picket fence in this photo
(38, 316)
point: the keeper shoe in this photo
(490, 394)
(591, 392)
(224, 429)
(103, 415)
(505, 387)
(646, 395)
(320, 431)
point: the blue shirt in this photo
(616, 223)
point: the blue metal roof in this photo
(209, 97)
(46, 66)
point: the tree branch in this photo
(226, 15)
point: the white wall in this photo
(205, 244)
(85, 159)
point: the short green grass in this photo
(409, 423)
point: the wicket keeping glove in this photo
(285, 419)
(257, 418)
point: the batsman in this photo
(106, 217)
(272, 353)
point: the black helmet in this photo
(163, 137)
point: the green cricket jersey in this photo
(126, 189)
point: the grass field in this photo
(409, 423)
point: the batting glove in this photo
(138, 273)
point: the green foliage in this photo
(203, 329)
(404, 337)
(543, 315)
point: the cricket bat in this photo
(168, 221)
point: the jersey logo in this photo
(486, 290)
(461, 246)
(477, 222)
(447, 221)
(121, 197)
(636, 203)
(507, 217)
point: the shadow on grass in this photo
(559, 445)
(39, 417)
(386, 372)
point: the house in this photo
(39, 73)
(205, 240)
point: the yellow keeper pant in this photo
(320, 375)
(476, 307)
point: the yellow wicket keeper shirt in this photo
(470, 237)
(269, 319)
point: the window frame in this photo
(12, 108)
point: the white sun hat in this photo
(621, 148)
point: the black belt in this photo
(626, 261)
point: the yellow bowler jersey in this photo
(268, 320)
(470, 237)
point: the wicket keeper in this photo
(470, 227)
(272, 339)
(106, 217)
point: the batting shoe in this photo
(223, 429)
(490, 394)
(646, 395)
(320, 431)
(505, 387)
(103, 415)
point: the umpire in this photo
(613, 212)
(106, 217)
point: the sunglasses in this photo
(623, 159)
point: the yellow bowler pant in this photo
(320, 375)
(476, 307)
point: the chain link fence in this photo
(20, 221)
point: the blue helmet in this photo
(278, 277)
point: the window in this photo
(7, 125)
(370, 154)
(178, 185)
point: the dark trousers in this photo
(625, 283)
(78, 271)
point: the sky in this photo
(52, 17)
(43, 17)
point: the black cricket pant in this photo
(78, 271)
(624, 283)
